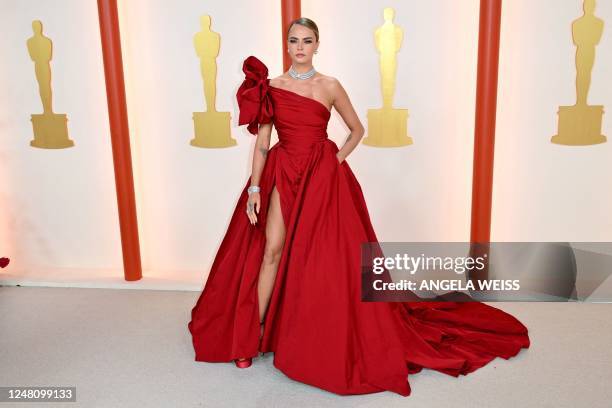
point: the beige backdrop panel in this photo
(544, 191)
(58, 210)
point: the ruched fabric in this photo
(253, 98)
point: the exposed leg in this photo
(275, 239)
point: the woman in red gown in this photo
(319, 330)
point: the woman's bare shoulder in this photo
(330, 84)
(324, 77)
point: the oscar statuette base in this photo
(579, 125)
(387, 128)
(212, 130)
(50, 131)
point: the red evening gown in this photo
(319, 330)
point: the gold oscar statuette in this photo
(388, 127)
(212, 128)
(580, 124)
(50, 129)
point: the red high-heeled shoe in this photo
(246, 362)
(243, 363)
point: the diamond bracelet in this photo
(253, 189)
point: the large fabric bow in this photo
(253, 98)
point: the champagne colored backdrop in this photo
(59, 215)
(544, 191)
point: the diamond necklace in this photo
(294, 74)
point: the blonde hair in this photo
(306, 22)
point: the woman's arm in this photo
(343, 105)
(262, 145)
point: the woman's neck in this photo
(301, 68)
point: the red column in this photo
(486, 104)
(290, 10)
(120, 138)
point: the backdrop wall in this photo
(59, 215)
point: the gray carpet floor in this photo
(131, 348)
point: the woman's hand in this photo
(338, 158)
(253, 205)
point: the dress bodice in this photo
(300, 121)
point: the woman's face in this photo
(302, 44)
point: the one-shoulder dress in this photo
(319, 330)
